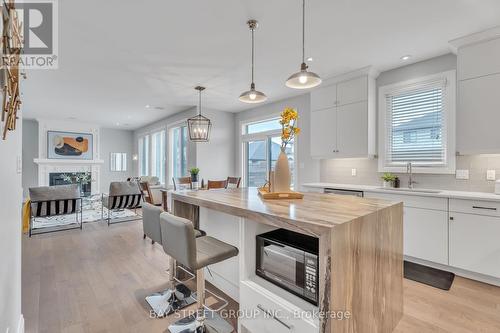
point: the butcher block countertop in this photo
(315, 209)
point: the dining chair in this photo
(185, 181)
(233, 182)
(146, 192)
(213, 184)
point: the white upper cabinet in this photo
(323, 138)
(479, 59)
(478, 113)
(352, 91)
(343, 118)
(352, 135)
(323, 97)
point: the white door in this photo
(324, 132)
(475, 243)
(426, 234)
(352, 130)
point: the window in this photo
(178, 151)
(261, 148)
(118, 162)
(158, 155)
(417, 125)
(144, 156)
(262, 126)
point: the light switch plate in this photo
(462, 174)
(354, 172)
(491, 175)
(19, 164)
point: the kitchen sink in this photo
(412, 190)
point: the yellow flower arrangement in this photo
(289, 127)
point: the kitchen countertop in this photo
(441, 194)
(315, 209)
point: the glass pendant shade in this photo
(303, 79)
(199, 126)
(253, 96)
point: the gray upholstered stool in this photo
(181, 243)
(178, 296)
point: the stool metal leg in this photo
(175, 298)
(205, 320)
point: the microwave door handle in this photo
(270, 314)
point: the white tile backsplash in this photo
(340, 171)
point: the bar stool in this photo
(178, 296)
(180, 242)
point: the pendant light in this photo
(199, 126)
(303, 79)
(252, 95)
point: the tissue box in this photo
(497, 187)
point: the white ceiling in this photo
(116, 56)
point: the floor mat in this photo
(427, 275)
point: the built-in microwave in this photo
(290, 260)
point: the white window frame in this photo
(244, 138)
(449, 115)
(170, 168)
(143, 136)
(151, 151)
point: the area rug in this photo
(91, 213)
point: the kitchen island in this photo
(360, 257)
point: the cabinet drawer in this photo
(324, 97)
(270, 316)
(488, 208)
(412, 200)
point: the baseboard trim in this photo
(460, 272)
(20, 325)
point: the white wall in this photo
(307, 167)
(30, 152)
(116, 141)
(10, 235)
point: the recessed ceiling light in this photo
(406, 57)
(117, 124)
(148, 106)
(310, 59)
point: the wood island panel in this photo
(360, 253)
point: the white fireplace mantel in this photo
(48, 166)
(41, 161)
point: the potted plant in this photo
(388, 179)
(194, 176)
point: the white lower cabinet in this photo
(264, 312)
(475, 243)
(425, 226)
(426, 234)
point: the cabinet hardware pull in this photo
(488, 208)
(270, 314)
(451, 218)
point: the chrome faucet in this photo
(409, 172)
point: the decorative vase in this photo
(386, 184)
(282, 173)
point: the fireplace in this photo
(61, 178)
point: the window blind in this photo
(416, 130)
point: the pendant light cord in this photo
(303, 30)
(199, 102)
(253, 57)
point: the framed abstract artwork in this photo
(69, 145)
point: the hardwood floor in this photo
(96, 280)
